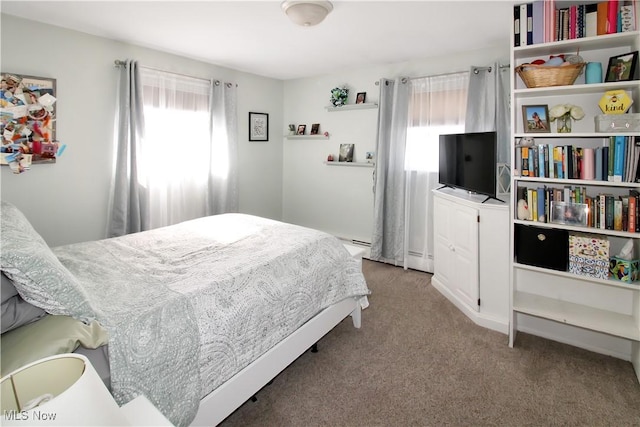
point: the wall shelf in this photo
(365, 106)
(306, 137)
(352, 164)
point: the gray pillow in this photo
(7, 290)
(36, 272)
(17, 312)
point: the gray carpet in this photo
(419, 361)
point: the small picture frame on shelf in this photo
(315, 128)
(346, 153)
(535, 118)
(622, 68)
(301, 129)
(361, 97)
(569, 213)
(370, 157)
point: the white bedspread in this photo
(189, 305)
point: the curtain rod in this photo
(475, 70)
(120, 63)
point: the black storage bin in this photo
(542, 247)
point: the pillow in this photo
(36, 273)
(7, 290)
(48, 336)
(17, 312)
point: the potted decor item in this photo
(562, 114)
(339, 96)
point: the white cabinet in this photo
(471, 243)
(602, 315)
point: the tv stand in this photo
(470, 193)
(492, 198)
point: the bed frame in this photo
(222, 401)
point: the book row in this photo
(571, 205)
(616, 161)
(543, 22)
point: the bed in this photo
(199, 315)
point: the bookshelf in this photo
(565, 301)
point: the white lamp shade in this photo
(307, 13)
(80, 398)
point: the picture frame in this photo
(27, 121)
(622, 68)
(361, 97)
(301, 129)
(258, 126)
(346, 153)
(569, 213)
(535, 118)
(315, 128)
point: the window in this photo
(437, 106)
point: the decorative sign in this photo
(615, 102)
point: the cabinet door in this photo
(464, 239)
(442, 259)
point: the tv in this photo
(468, 161)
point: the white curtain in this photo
(488, 109)
(388, 240)
(437, 106)
(185, 159)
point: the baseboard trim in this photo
(481, 319)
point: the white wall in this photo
(339, 200)
(67, 201)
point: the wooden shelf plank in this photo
(365, 106)
(352, 164)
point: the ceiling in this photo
(257, 37)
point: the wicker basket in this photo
(541, 76)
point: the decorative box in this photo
(623, 269)
(618, 122)
(589, 256)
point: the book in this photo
(631, 226)
(538, 22)
(598, 171)
(530, 203)
(602, 205)
(591, 20)
(523, 24)
(529, 24)
(612, 152)
(541, 210)
(602, 17)
(627, 18)
(612, 17)
(609, 212)
(617, 215)
(618, 162)
(516, 25)
(525, 161)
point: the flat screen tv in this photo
(468, 161)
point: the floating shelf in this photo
(365, 106)
(352, 164)
(306, 137)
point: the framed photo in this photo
(361, 97)
(315, 128)
(27, 121)
(622, 68)
(569, 213)
(346, 153)
(301, 129)
(535, 118)
(258, 126)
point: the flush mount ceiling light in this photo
(307, 13)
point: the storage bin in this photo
(534, 75)
(618, 122)
(623, 269)
(542, 247)
(589, 256)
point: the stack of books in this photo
(543, 21)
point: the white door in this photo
(464, 238)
